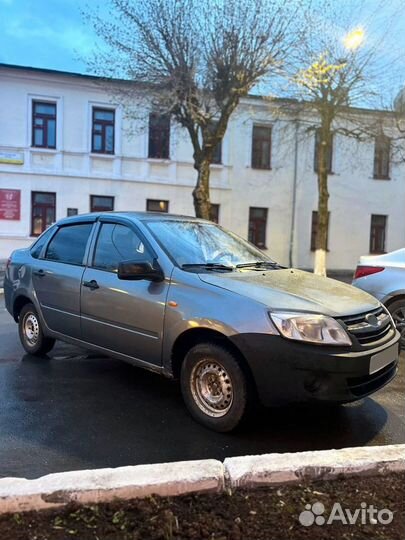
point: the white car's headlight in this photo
(311, 328)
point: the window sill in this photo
(217, 165)
(102, 155)
(377, 252)
(259, 168)
(166, 161)
(39, 150)
(381, 178)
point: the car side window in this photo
(39, 244)
(117, 243)
(69, 244)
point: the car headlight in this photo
(311, 328)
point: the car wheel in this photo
(214, 386)
(397, 310)
(31, 333)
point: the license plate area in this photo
(382, 359)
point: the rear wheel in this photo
(214, 386)
(31, 333)
(397, 310)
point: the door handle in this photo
(92, 285)
(39, 273)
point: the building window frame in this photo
(214, 212)
(257, 162)
(382, 157)
(44, 207)
(378, 233)
(101, 129)
(98, 208)
(317, 142)
(314, 230)
(257, 231)
(159, 136)
(163, 205)
(45, 121)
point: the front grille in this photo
(363, 329)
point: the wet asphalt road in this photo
(77, 411)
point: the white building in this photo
(65, 147)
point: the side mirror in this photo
(136, 270)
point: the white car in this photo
(383, 276)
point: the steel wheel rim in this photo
(399, 319)
(212, 388)
(31, 329)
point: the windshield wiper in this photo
(209, 266)
(260, 264)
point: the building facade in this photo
(66, 147)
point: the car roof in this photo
(141, 216)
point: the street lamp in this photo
(354, 39)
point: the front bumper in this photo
(286, 371)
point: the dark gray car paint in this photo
(135, 322)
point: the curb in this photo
(268, 469)
(205, 476)
(102, 485)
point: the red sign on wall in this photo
(10, 204)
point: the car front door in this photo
(57, 278)
(119, 315)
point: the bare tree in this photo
(340, 66)
(195, 60)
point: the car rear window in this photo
(41, 241)
(69, 244)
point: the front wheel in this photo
(31, 333)
(397, 310)
(214, 386)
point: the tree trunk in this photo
(201, 192)
(323, 211)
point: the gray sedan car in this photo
(185, 298)
(383, 276)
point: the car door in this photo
(119, 315)
(57, 278)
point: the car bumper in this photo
(286, 371)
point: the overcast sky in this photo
(52, 33)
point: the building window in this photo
(102, 141)
(43, 124)
(43, 211)
(217, 153)
(153, 205)
(257, 226)
(72, 212)
(159, 136)
(329, 157)
(214, 213)
(382, 151)
(377, 233)
(261, 147)
(100, 203)
(314, 231)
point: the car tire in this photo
(31, 334)
(214, 387)
(397, 310)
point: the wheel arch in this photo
(19, 302)
(187, 339)
(395, 298)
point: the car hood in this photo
(295, 290)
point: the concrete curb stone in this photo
(205, 476)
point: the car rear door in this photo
(57, 278)
(119, 315)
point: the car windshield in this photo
(198, 243)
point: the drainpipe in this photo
(294, 197)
